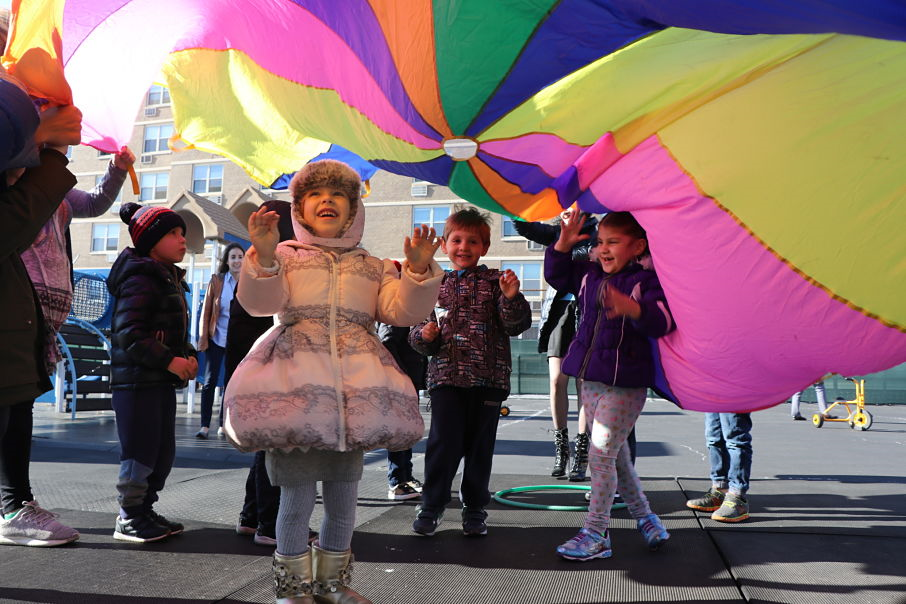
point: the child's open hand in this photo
(430, 331)
(420, 248)
(183, 368)
(571, 234)
(264, 235)
(124, 158)
(509, 284)
(618, 304)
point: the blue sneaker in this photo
(586, 545)
(653, 531)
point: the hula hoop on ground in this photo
(500, 497)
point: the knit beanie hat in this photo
(149, 224)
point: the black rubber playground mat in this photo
(516, 561)
(796, 568)
(207, 563)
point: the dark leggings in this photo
(15, 455)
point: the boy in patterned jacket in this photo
(468, 339)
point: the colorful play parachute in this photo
(762, 145)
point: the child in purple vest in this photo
(622, 306)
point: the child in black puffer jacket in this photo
(151, 357)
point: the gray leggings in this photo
(819, 393)
(296, 506)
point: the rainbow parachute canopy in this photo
(761, 145)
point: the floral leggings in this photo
(612, 413)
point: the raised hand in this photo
(618, 304)
(509, 284)
(124, 158)
(264, 235)
(420, 248)
(430, 331)
(60, 127)
(571, 234)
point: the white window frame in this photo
(206, 178)
(159, 134)
(108, 227)
(155, 187)
(505, 220)
(438, 224)
(160, 91)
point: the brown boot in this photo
(333, 572)
(292, 579)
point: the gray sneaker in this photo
(708, 502)
(35, 527)
(735, 508)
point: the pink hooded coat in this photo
(320, 378)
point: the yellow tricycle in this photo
(856, 418)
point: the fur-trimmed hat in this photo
(332, 174)
(327, 173)
(149, 224)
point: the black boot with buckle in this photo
(561, 452)
(580, 461)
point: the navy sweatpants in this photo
(463, 426)
(146, 425)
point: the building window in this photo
(529, 274)
(105, 237)
(154, 186)
(433, 216)
(156, 138)
(158, 95)
(207, 179)
(508, 229)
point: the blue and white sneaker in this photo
(653, 531)
(588, 544)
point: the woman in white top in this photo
(214, 319)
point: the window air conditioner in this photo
(419, 188)
(533, 246)
(151, 111)
(147, 159)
